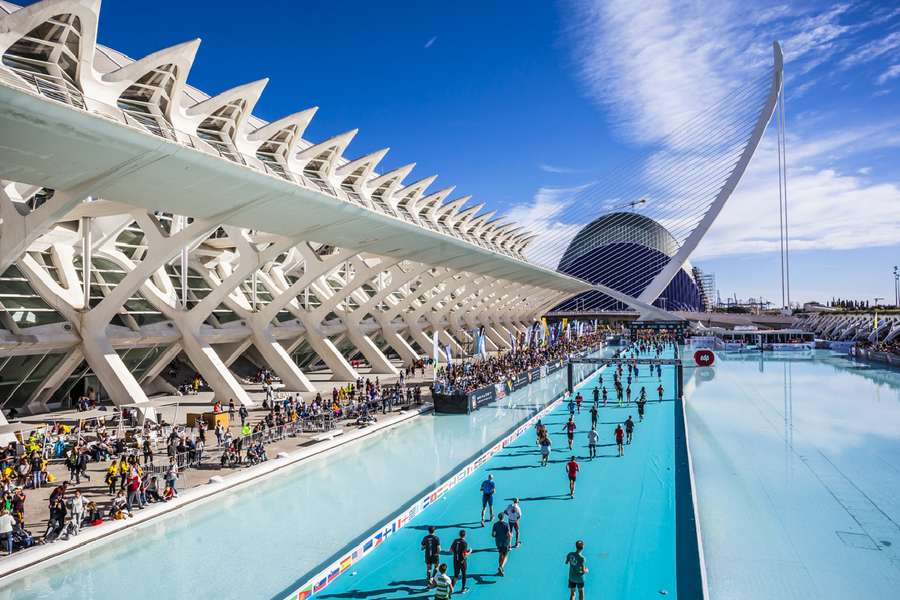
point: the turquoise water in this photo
(258, 541)
(623, 509)
(797, 466)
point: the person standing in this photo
(460, 550)
(577, 570)
(572, 471)
(77, 503)
(593, 440)
(243, 413)
(501, 534)
(514, 516)
(147, 448)
(488, 487)
(620, 438)
(431, 545)
(629, 429)
(6, 530)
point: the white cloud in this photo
(545, 215)
(431, 42)
(892, 72)
(555, 169)
(654, 63)
(827, 209)
(873, 50)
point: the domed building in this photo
(625, 251)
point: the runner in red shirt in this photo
(569, 428)
(620, 438)
(578, 400)
(572, 471)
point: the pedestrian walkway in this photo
(623, 509)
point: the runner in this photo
(577, 570)
(629, 429)
(572, 471)
(628, 394)
(460, 550)
(604, 396)
(620, 435)
(443, 585)
(431, 545)
(513, 516)
(545, 450)
(593, 440)
(594, 415)
(571, 406)
(578, 400)
(659, 390)
(569, 428)
(597, 392)
(500, 533)
(640, 404)
(487, 497)
(539, 431)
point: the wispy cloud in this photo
(431, 42)
(654, 63)
(546, 214)
(556, 169)
(892, 72)
(873, 50)
(828, 209)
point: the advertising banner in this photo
(482, 396)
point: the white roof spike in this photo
(370, 161)
(396, 176)
(14, 25)
(338, 143)
(416, 188)
(249, 92)
(453, 206)
(300, 119)
(181, 55)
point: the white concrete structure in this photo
(150, 231)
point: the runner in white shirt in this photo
(593, 440)
(514, 515)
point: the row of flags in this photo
(539, 335)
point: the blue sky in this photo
(521, 103)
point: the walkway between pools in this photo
(624, 510)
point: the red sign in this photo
(704, 358)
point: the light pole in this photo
(896, 286)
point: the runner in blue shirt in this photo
(487, 497)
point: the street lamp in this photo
(896, 286)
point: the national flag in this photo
(346, 563)
(334, 573)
